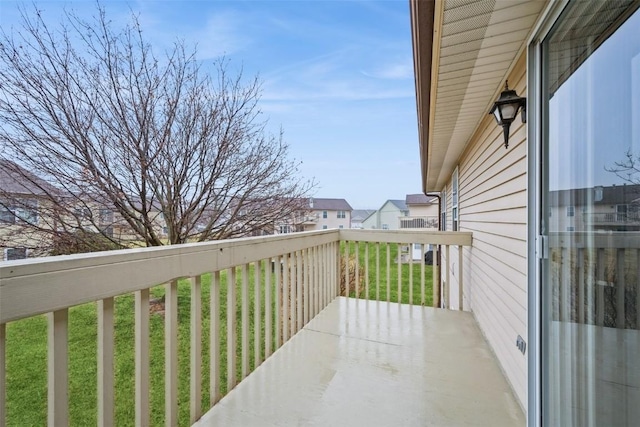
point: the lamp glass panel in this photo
(509, 111)
(496, 113)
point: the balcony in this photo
(418, 222)
(337, 328)
(612, 219)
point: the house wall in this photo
(389, 214)
(331, 221)
(371, 222)
(493, 205)
(423, 210)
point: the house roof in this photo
(476, 44)
(400, 204)
(419, 199)
(14, 179)
(329, 204)
(361, 214)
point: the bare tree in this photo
(175, 150)
(627, 169)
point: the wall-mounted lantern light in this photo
(506, 109)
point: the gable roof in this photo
(14, 179)
(419, 199)
(361, 214)
(400, 204)
(329, 204)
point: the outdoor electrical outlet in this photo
(521, 344)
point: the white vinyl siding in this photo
(493, 180)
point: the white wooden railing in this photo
(585, 268)
(405, 222)
(295, 276)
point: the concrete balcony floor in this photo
(369, 363)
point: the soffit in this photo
(475, 44)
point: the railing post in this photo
(388, 272)
(285, 298)
(621, 289)
(435, 273)
(600, 287)
(231, 329)
(214, 337)
(357, 283)
(422, 252)
(171, 354)
(58, 374)
(142, 357)
(410, 273)
(346, 268)
(3, 389)
(300, 299)
(244, 349)
(106, 390)
(268, 313)
(366, 270)
(399, 262)
(195, 390)
(377, 271)
(257, 316)
(278, 302)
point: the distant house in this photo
(321, 214)
(359, 215)
(388, 216)
(423, 212)
(612, 208)
(23, 199)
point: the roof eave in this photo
(422, 24)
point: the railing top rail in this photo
(40, 285)
(596, 239)
(409, 236)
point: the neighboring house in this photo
(569, 295)
(388, 216)
(327, 213)
(612, 208)
(423, 212)
(23, 199)
(321, 214)
(358, 216)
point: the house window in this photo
(285, 229)
(6, 215)
(105, 216)
(341, 226)
(385, 226)
(324, 227)
(571, 229)
(342, 214)
(571, 210)
(11, 254)
(324, 214)
(454, 200)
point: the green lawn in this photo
(27, 349)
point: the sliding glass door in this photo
(590, 281)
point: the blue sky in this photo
(337, 77)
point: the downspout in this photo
(437, 259)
